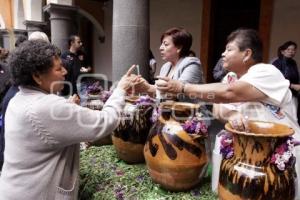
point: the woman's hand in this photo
(239, 122)
(295, 87)
(74, 99)
(128, 80)
(141, 86)
(169, 85)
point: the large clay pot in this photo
(131, 135)
(93, 102)
(175, 159)
(248, 174)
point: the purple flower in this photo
(155, 114)
(119, 173)
(119, 192)
(119, 195)
(94, 89)
(226, 148)
(196, 192)
(283, 156)
(195, 126)
(145, 101)
(140, 178)
(104, 96)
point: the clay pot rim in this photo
(94, 96)
(132, 99)
(288, 130)
(173, 105)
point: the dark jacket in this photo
(72, 64)
(289, 69)
(4, 81)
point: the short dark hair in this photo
(20, 40)
(32, 57)
(284, 46)
(72, 39)
(248, 39)
(181, 39)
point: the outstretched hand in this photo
(127, 81)
(168, 85)
(74, 99)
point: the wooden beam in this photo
(205, 36)
(265, 25)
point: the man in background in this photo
(72, 63)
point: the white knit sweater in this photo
(42, 135)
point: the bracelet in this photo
(182, 87)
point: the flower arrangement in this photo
(104, 96)
(283, 156)
(195, 126)
(145, 101)
(226, 146)
(94, 89)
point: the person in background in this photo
(51, 126)
(20, 40)
(219, 71)
(38, 35)
(13, 89)
(192, 53)
(288, 67)
(85, 65)
(3, 55)
(174, 49)
(72, 64)
(260, 92)
(4, 86)
(84, 81)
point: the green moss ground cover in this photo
(103, 176)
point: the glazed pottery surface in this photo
(130, 136)
(96, 104)
(249, 173)
(175, 159)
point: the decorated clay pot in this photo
(175, 152)
(95, 103)
(261, 166)
(130, 136)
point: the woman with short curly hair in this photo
(43, 130)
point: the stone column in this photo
(9, 37)
(130, 41)
(32, 26)
(5, 37)
(62, 23)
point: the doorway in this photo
(221, 17)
